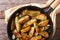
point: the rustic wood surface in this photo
(6, 4)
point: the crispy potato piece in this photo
(29, 22)
(38, 30)
(24, 36)
(36, 38)
(42, 17)
(44, 34)
(25, 12)
(26, 29)
(24, 19)
(18, 38)
(36, 27)
(18, 27)
(16, 19)
(16, 33)
(46, 27)
(43, 23)
(31, 32)
(33, 38)
(33, 13)
(43, 39)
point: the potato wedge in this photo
(43, 23)
(31, 32)
(43, 38)
(24, 36)
(36, 37)
(29, 22)
(44, 34)
(33, 13)
(18, 27)
(16, 33)
(24, 19)
(26, 29)
(41, 17)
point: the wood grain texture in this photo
(57, 35)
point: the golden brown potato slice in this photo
(31, 32)
(33, 13)
(24, 19)
(44, 34)
(43, 23)
(36, 38)
(43, 39)
(26, 29)
(30, 22)
(16, 19)
(33, 38)
(18, 27)
(46, 27)
(24, 36)
(16, 33)
(18, 38)
(41, 17)
(25, 12)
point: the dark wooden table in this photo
(6, 4)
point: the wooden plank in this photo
(3, 30)
(58, 21)
(57, 35)
(21, 1)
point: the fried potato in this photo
(43, 38)
(24, 36)
(43, 23)
(18, 27)
(26, 29)
(44, 34)
(33, 13)
(33, 38)
(25, 12)
(16, 33)
(41, 17)
(24, 19)
(31, 32)
(16, 19)
(29, 22)
(46, 27)
(36, 38)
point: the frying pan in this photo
(32, 7)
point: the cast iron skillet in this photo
(46, 12)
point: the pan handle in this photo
(52, 7)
